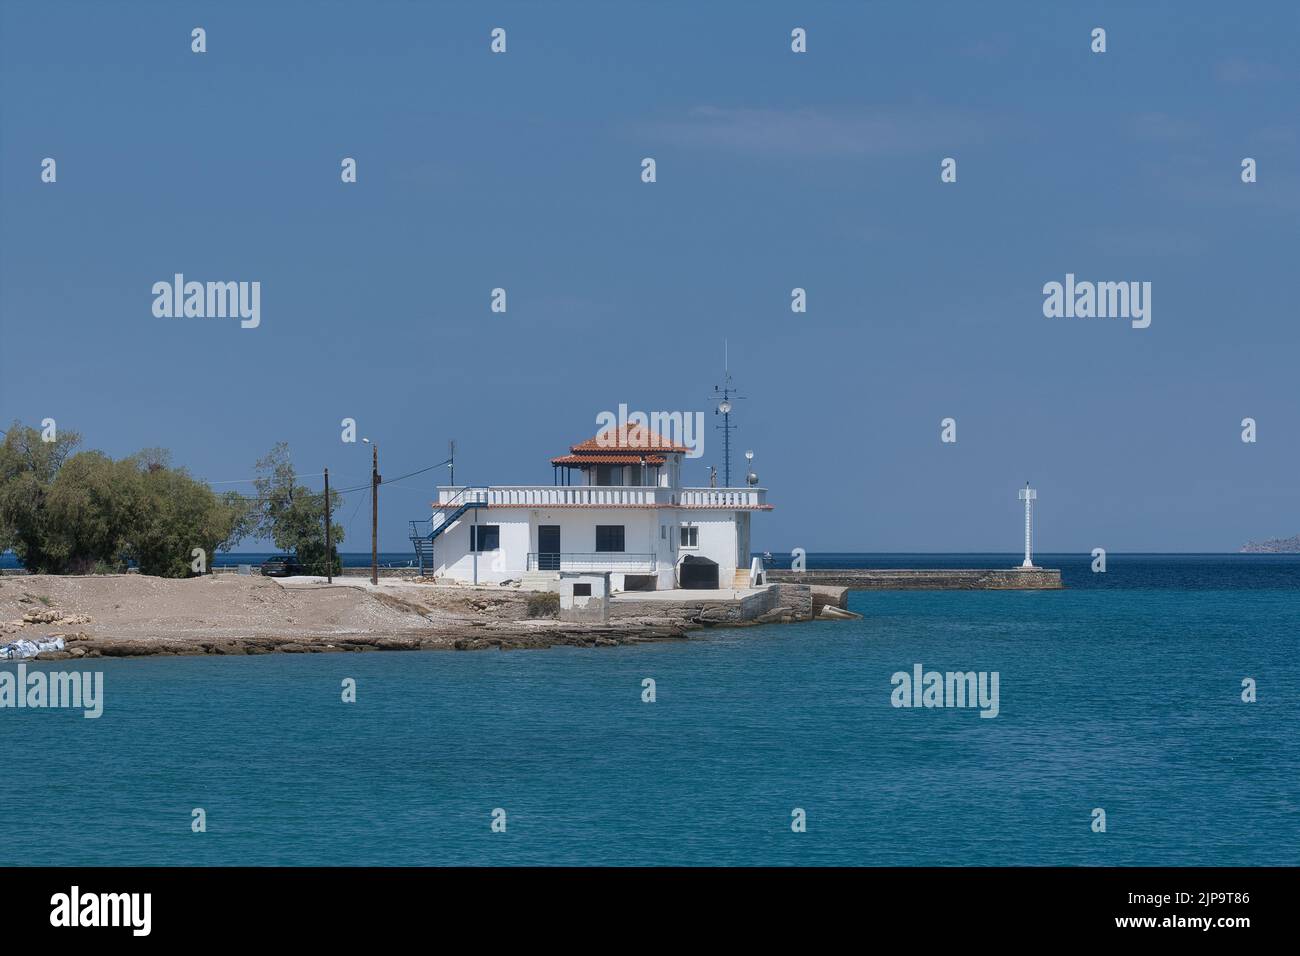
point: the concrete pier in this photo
(773, 603)
(928, 579)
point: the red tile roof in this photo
(631, 437)
(617, 458)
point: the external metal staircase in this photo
(425, 531)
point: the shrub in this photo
(544, 604)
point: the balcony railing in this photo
(620, 561)
(723, 497)
(541, 496)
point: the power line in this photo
(422, 470)
(310, 494)
(244, 481)
(354, 514)
(340, 491)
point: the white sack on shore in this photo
(21, 650)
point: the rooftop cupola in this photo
(629, 455)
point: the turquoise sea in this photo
(1122, 692)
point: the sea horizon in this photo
(1071, 564)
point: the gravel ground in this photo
(131, 615)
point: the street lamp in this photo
(374, 510)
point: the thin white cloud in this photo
(1144, 243)
(813, 132)
(1278, 134)
(1239, 71)
(990, 48)
(1164, 128)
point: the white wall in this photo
(717, 537)
(452, 557)
(717, 540)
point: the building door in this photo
(548, 547)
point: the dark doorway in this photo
(548, 547)
(698, 573)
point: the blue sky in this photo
(775, 170)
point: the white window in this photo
(663, 532)
(690, 536)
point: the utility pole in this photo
(329, 544)
(451, 462)
(374, 514)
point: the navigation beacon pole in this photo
(1027, 495)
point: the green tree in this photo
(182, 514)
(292, 515)
(28, 468)
(83, 512)
(93, 511)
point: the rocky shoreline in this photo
(228, 615)
(86, 647)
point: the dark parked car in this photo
(282, 566)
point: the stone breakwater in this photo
(934, 579)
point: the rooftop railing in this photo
(528, 496)
(723, 497)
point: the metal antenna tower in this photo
(724, 395)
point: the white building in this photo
(617, 505)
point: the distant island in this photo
(1289, 545)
